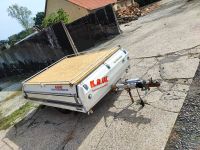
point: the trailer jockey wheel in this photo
(142, 103)
(141, 100)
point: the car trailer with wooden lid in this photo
(77, 83)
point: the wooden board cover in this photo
(72, 70)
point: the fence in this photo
(94, 28)
(52, 43)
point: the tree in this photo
(39, 18)
(3, 44)
(17, 37)
(22, 14)
(53, 18)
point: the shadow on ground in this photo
(48, 128)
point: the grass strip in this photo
(20, 113)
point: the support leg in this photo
(130, 94)
(141, 101)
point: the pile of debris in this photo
(149, 8)
(128, 14)
(133, 12)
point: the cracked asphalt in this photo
(164, 45)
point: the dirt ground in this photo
(164, 45)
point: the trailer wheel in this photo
(42, 106)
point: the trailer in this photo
(77, 83)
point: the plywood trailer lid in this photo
(74, 69)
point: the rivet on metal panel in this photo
(85, 86)
(108, 66)
(124, 51)
(89, 96)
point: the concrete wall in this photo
(75, 12)
(31, 55)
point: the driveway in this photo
(164, 45)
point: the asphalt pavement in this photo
(164, 45)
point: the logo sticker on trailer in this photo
(99, 83)
(59, 88)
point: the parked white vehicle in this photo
(79, 82)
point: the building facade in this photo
(75, 8)
(74, 11)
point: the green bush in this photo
(53, 18)
(17, 37)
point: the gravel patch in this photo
(186, 132)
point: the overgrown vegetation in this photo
(20, 113)
(23, 15)
(21, 35)
(53, 18)
(4, 45)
